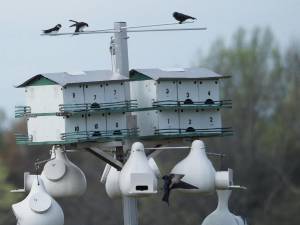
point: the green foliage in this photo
(265, 118)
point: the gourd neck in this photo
(223, 198)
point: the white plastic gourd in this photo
(38, 207)
(112, 186)
(197, 169)
(61, 177)
(137, 178)
(222, 215)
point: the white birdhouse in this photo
(61, 177)
(222, 215)
(112, 185)
(197, 169)
(137, 177)
(199, 172)
(79, 106)
(38, 207)
(176, 95)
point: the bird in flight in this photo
(180, 17)
(174, 181)
(79, 26)
(52, 30)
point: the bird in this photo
(53, 30)
(180, 17)
(80, 26)
(174, 181)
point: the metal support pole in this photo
(121, 49)
(130, 211)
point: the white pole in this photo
(121, 66)
(130, 211)
(121, 49)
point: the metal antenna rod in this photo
(158, 25)
(112, 31)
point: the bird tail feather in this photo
(165, 197)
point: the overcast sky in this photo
(24, 53)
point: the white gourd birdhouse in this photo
(199, 172)
(137, 178)
(222, 215)
(38, 207)
(61, 177)
(112, 185)
(197, 169)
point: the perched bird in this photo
(180, 17)
(174, 181)
(79, 26)
(52, 30)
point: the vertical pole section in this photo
(130, 211)
(121, 49)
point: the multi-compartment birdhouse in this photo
(184, 101)
(66, 107)
(101, 105)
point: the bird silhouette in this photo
(173, 181)
(180, 17)
(53, 29)
(79, 26)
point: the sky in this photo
(24, 53)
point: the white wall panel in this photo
(115, 92)
(187, 90)
(44, 99)
(168, 119)
(94, 93)
(166, 90)
(209, 89)
(116, 121)
(46, 128)
(73, 94)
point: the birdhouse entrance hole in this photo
(209, 101)
(117, 132)
(188, 102)
(141, 188)
(190, 129)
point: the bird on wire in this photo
(180, 17)
(79, 26)
(173, 181)
(52, 30)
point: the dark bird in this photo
(52, 30)
(173, 181)
(79, 26)
(180, 17)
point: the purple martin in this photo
(79, 26)
(173, 181)
(52, 30)
(180, 17)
